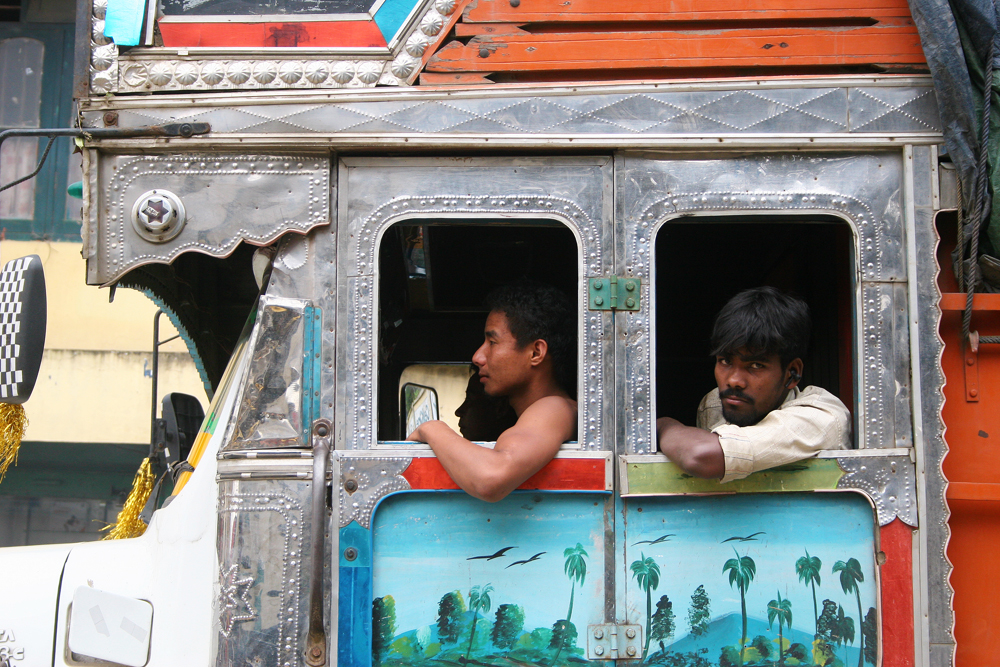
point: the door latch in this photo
(614, 642)
(614, 293)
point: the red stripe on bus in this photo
(557, 475)
(896, 541)
(303, 34)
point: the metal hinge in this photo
(613, 642)
(615, 293)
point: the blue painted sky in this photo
(422, 541)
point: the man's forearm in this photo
(697, 452)
(479, 471)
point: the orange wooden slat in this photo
(982, 301)
(735, 48)
(973, 491)
(674, 10)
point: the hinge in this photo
(615, 293)
(614, 642)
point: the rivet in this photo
(350, 553)
(598, 633)
(484, 53)
(630, 633)
(351, 486)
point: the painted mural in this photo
(457, 581)
(752, 580)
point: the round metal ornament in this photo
(158, 216)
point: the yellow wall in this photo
(93, 385)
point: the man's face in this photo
(751, 385)
(503, 367)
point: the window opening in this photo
(700, 266)
(434, 277)
(21, 60)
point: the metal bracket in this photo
(613, 642)
(971, 352)
(615, 293)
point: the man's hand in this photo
(520, 452)
(697, 452)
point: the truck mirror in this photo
(419, 404)
(22, 327)
(182, 417)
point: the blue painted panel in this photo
(391, 15)
(123, 21)
(354, 638)
(495, 583)
(353, 535)
(684, 546)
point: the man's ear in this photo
(539, 351)
(793, 374)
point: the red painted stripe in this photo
(306, 34)
(558, 474)
(897, 595)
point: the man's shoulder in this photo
(553, 404)
(813, 395)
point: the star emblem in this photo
(156, 210)
(234, 599)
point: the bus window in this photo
(700, 266)
(434, 277)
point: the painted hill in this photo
(725, 631)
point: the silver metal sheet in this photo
(269, 412)
(378, 193)
(887, 480)
(371, 478)
(806, 111)
(228, 198)
(863, 190)
(264, 529)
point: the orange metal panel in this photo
(676, 10)
(731, 48)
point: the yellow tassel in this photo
(129, 524)
(12, 425)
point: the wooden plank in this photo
(983, 301)
(453, 79)
(666, 49)
(675, 10)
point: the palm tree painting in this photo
(741, 573)
(807, 567)
(576, 569)
(479, 601)
(647, 575)
(781, 610)
(850, 576)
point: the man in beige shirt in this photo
(757, 418)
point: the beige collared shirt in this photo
(806, 422)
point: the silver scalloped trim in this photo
(376, 478)
(890, 482)
(97, 36)
(213, 73)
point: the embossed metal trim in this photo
(143, 71)
(230, 198)
(287, 609)
(372, 478)
(890, 482)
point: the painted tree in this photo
(450, 610)
(869, 630)
(576, 569)
(826, 627)
(700, 612)
(844, 630)
(663, 624)
(742, 570)
(850, 576)
(507, 628)
(479, 601)
(808, 567)
(781, 610)
(763, 646)
(563, 637)
(647, 575)
(383, 626)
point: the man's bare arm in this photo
(520, 452)
(696, 451)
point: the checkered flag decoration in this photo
(22, 327)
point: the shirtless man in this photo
(529, 356)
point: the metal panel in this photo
(228, 198)
(863, 190)
(379, 193)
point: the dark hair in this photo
(536, 311)
(764, 321)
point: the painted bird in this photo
(522, 562)
(661, 538)
(492, 556)
(749, 538)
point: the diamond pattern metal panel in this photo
(790, 110)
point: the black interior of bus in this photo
(701, 264)
(435, 276)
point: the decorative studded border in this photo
(889, 481)
(114, 72)
(371, 478)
